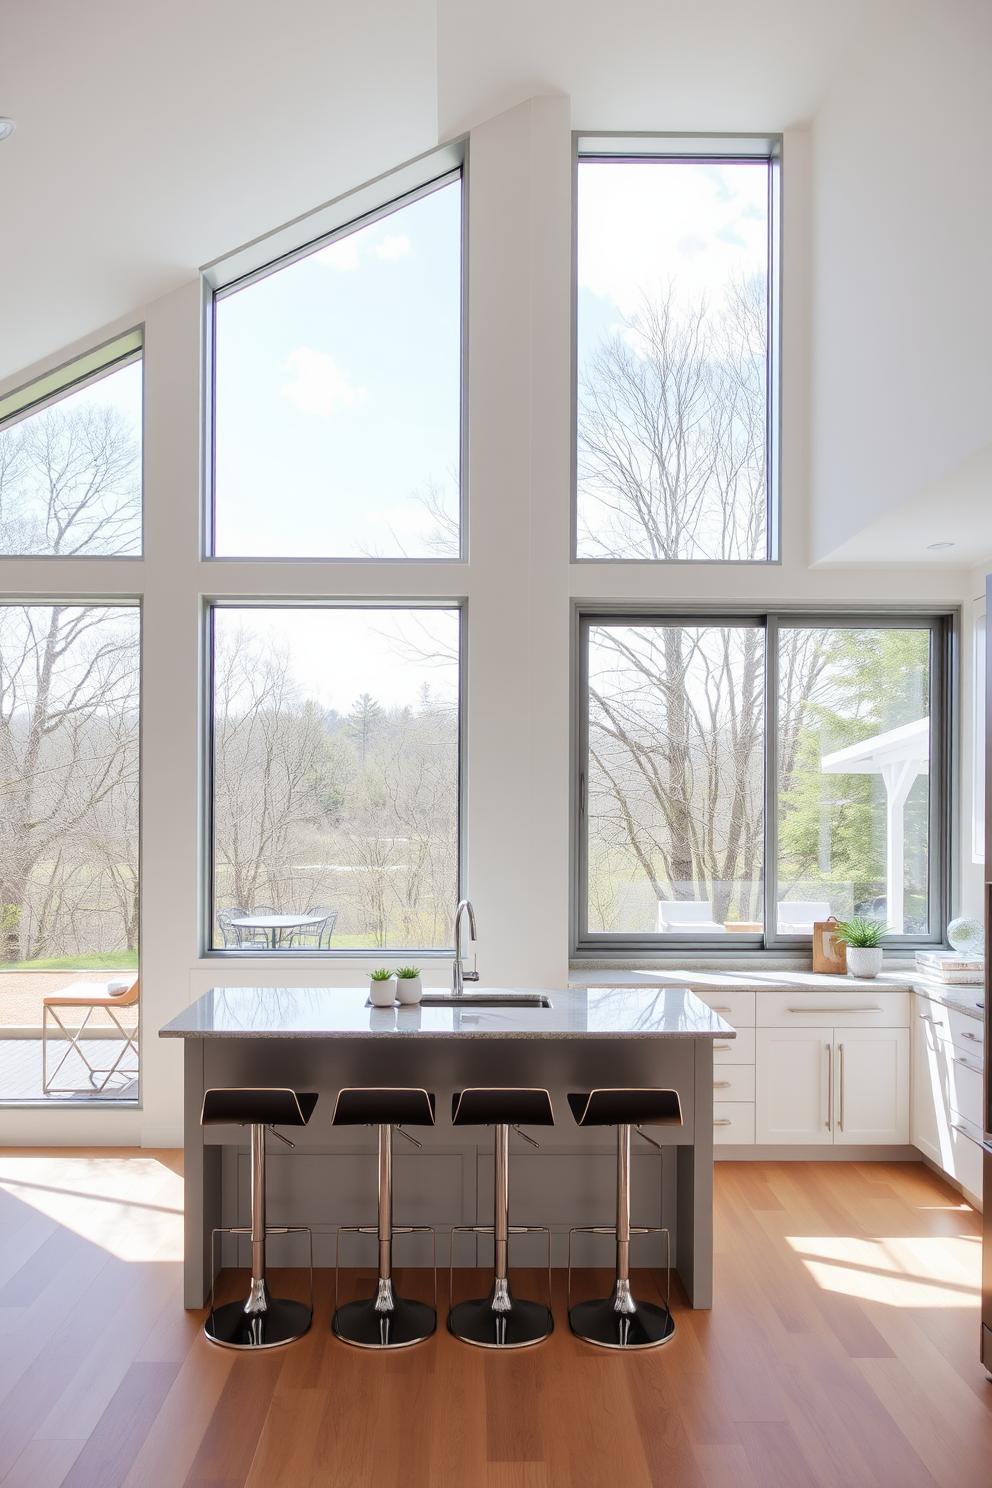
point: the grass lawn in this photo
(105, 961)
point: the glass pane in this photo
(854, 777)
(672, 350)
(338, 396)
(70, 475)
(335, 778)
(675, 815)
(69, 691)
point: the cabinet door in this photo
(928, 1115)
(871, 1077)
(793, 1086)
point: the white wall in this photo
(518, 583)
(902, 310)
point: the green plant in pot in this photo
(863, 938)
(408, 987)
(383, 992)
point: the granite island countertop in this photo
(965, 997)
(622, 1012)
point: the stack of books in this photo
(950, 966)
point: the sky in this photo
(337, 654)
(338, 392)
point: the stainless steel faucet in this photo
(458, 976)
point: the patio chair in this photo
(316, 936)
(227, 921)
(110, 1002)
(688, 917)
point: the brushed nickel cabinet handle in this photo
(830, 1087)
(722, 1046)
(973, 1036)
(720, 1009)
(840, 1052)
(966, 1133)
(939, 1022)
(839, 1010)
(721, 1084)
(957, 1059)
(724, 1121)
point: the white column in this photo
(898, 776)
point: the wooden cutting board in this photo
(829, 953)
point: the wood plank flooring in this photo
(841, 1352)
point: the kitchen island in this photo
(324, 1039)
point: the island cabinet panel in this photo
(793, 1086)
(871, 1073)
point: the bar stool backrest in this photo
(644, 1107)
(502, 1106)
(251, 1106)
(388, 1106)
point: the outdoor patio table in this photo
(274, 925)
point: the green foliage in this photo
(382, 974)
(861, 933)
(105, 961)
(10, 917)
(407, 973)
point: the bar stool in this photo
(501, 1320)
(385, 1320)
(621, 1321)
(262, 1321)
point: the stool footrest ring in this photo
(384, 1321)
(281, 1321)
(620, 1321)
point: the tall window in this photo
(741, 779)
(70, 459)
(337, 418)
(675, 322)
(335, 778)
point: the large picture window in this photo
(335, 778)
(742, 778)
(337, 393)
(675, 342)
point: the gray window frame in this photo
(715, 149)
(944, 626)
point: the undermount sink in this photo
(485, 999)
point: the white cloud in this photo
(342, 255)
(393, 247)
(319, 387)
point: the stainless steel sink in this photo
(486, 999)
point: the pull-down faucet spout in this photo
(458, 976)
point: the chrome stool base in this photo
(281, 1322)
(601, 1322)
(405, 1323)
(521, 1325)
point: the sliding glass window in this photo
(741, 778)
(335, 777)
(337, 392)
(676, 340)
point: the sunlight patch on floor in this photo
(915, 1271)
(131, 1207)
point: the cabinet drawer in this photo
(966, 1155)
(819, 1007)
(733, 1122)
(739, 1050)
(964, 1087)
(735, 1008)
(948, 1026)
(733, 1082)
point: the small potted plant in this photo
(383, 991)
(863, 938)
(408, 988)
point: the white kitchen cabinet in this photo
(928, 1126)
(793, 1086)
(948, 1058)
(871, 1085)
(818, 1086)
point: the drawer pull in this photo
(721, 1010)
(723, 1046)
(724, 1121)
(721, 1084)
(973, 1036)
(957, 1059)
(966, 1133)
(839, 1010)
(937, 1022)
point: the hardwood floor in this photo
(841, 1352)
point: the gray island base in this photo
(326, 1038)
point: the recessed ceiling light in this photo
(935, 547)
(7, 127)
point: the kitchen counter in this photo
(325, 1039)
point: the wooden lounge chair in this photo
(109, 1002)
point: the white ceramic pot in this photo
(383, 994)
(409, 989)
(864, 961)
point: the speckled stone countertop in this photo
(343, 1012)
(963, 996)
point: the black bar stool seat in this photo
(385, 1320)
(262, 1321)
(620, 1320)
(501, 1320)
